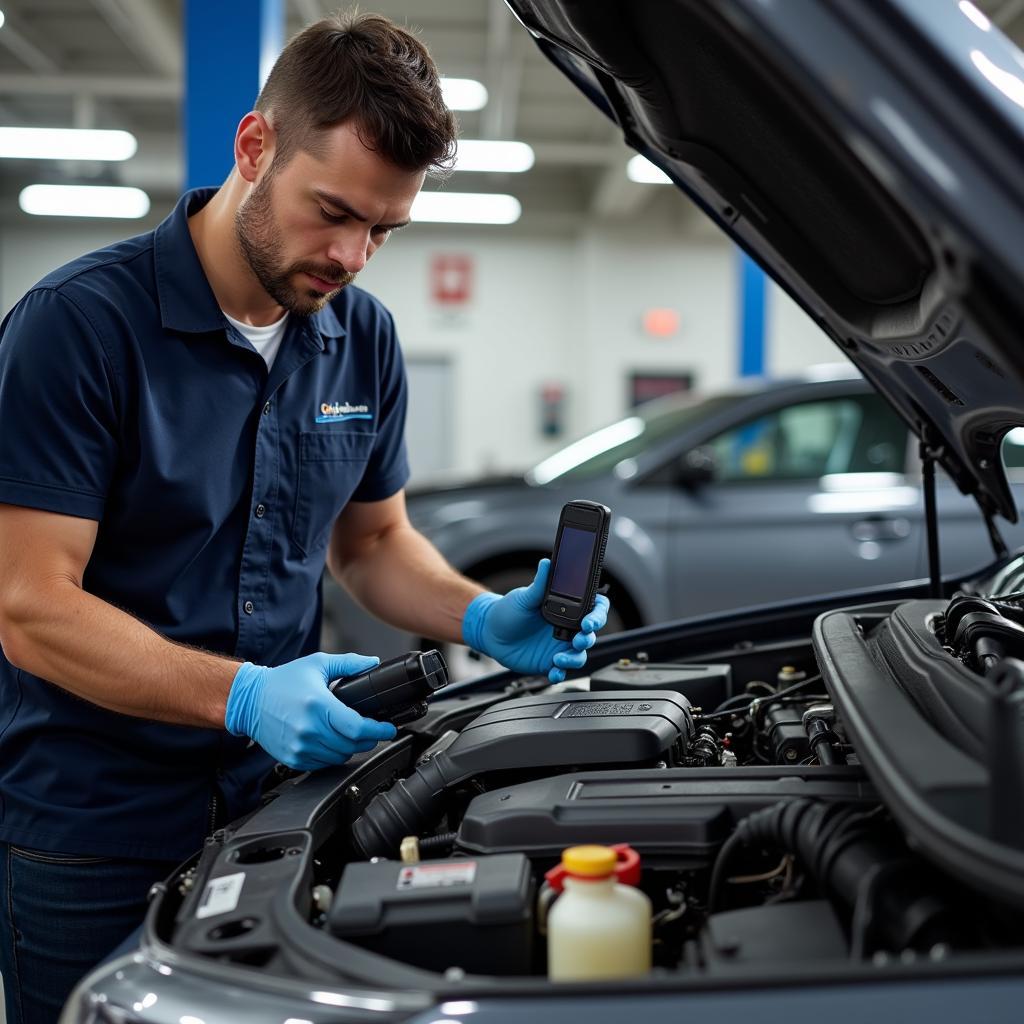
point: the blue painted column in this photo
(752, 316)
(230, 46)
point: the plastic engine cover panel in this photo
(576, 729)
(676, 815)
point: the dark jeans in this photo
(60, 915)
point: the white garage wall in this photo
(628, 272)
(562, 310)
(513, 335)
(795, 340)
(546, 308)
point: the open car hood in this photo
(869, 156)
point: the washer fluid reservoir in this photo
(597, 928)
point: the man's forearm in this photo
(403, 579)
(87, 646)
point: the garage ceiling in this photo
(117, 64)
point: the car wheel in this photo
(464, 663)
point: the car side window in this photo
(852, 434)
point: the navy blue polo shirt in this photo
(127, 398)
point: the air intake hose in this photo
(406, 809)
(868, 873)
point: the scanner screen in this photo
(573, 562)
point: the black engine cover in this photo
(551, 730)
(575, 729)
(678, 816)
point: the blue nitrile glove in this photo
(510, 630)
(292, 715)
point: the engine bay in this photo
(844, 801)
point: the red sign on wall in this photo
(451, 279)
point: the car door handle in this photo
(880, 528)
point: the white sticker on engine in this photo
(437, 876)
(221, 895)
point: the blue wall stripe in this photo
(752, 320)
(227, 44)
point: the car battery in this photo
(704, 685)
(473, 913)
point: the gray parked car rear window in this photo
(854, 434)
(598, 453)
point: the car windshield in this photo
(598, 453)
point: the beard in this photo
(261, 244)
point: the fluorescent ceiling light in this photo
(466, 208)
(66, 144)
(84, 201)
(487, 155)
(641, 169)
(3, 18)
(463, 93)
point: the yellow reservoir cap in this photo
(589, 861)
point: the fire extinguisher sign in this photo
(451, 279)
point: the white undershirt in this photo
(266, 340)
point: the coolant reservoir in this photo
(597, 928)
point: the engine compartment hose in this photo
(706, 749)
(408, 808)
(822, 739)
(439, 845)
(841, 846)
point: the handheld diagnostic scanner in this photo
(575, 566)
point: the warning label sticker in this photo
(221, 895)
(437, 876)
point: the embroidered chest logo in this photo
(336, 412)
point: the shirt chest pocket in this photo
(331, 464)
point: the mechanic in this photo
(192, 423)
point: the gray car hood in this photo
(868, 155)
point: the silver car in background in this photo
(762, 492)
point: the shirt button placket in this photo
(255, 551)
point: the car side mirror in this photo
(696, 468)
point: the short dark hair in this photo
(365, 69)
